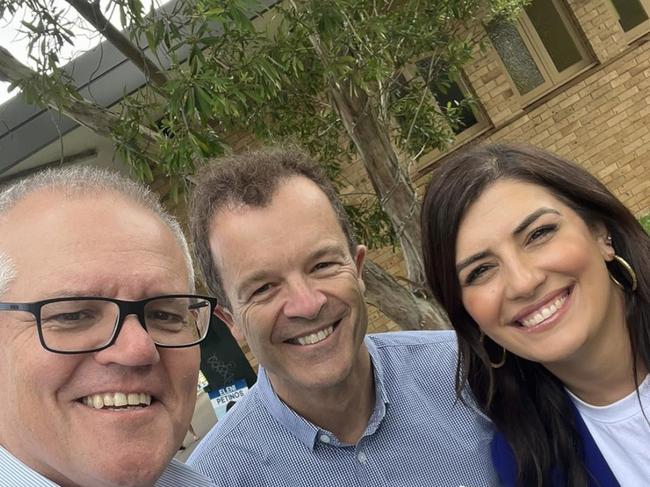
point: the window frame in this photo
(638, 31)
(540, 56)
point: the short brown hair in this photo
(249, 179)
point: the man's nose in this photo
(133, 347)
(304, 300)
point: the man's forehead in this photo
(90, 238)
(298, 221)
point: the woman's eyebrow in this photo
(531, 218)
(471, 259)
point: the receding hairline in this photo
(238, 202)
(236, 205)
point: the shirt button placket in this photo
(368, 472)
(362, 458)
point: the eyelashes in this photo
(476, 273)
(541, 232)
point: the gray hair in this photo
(7, 272)
(250, 179)
(75, 181)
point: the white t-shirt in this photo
(622, 434)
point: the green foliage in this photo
(274, 77)
(645, 223)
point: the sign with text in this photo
(224, 396)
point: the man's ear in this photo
(225, 315)
(359, 260)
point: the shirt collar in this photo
(176, 474)
(305, 431)
(10, 465)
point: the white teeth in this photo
(120, 399)
(108, 400)
(544, 313)
(98, 402)
(319, 336)
(116, 399)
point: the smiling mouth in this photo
(118, 401)
(315, 337)
(545, 312)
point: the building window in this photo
(450, 92)
(541, 50)
(633, 16)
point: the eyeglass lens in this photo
(89, 324)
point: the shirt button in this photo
(324, 438)
(362, 457)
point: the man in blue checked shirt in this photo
(99, 329)
(332, 407)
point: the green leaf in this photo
(32, 27)
(645, 223)
(215, 13)
(204, 101)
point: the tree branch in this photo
(93, 14)
(96, 118)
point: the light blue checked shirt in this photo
(418, 434)
(14, 473)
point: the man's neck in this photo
(343, 409)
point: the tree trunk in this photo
(398, 303)
(400, 203)
(387, 177)
(396, 196)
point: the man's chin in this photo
(141, 473)
(135, 462)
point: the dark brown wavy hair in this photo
(527, 403)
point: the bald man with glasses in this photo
(99, 327)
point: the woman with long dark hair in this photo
(545, 277)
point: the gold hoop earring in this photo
(628, 268)
(504, 355)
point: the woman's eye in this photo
(541, 232)
(476, 273)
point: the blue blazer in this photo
(504, 462)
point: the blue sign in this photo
(225, 395)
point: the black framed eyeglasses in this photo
(89, 324)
